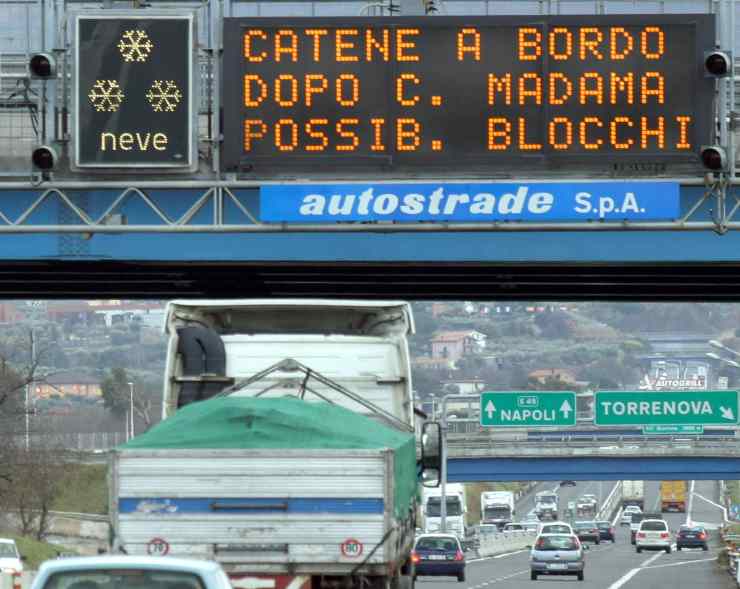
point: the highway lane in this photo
(565, 494)
(609, 566)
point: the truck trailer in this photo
(673, 496)
(633, 493)
(497, 507)
(307, 481)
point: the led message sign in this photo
(464, 93)
(133, 91)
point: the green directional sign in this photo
(666, 408)
(658, 430)
(528, 409)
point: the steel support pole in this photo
(443, 499)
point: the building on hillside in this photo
(69, 384)
(562, 374)
(471, 386)
(10, 313)
(453, 345)
(678, 361)
(432, 363)
(439, 309)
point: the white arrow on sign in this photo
(565, 408)
(490, 409)
(727, 413)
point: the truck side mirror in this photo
(431, 454)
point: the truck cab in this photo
(361, 345)
(455, 506)
(546, 505)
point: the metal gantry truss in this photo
(720, 201)
(212, 195)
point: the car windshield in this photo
(556, 529)
(8, 550)
(654, 526)
(123, 579)
(434, 506)
(557, 543)
(446, 543)
(693, 530)
(584, 525)
(496, 512)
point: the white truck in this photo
(497, 507)
(546, 505)
(456, 516)
(285, 515)
(633, 493)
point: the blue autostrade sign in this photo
(469, 203)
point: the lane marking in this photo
(625, 578)
(675, 564)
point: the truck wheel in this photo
(533, 576)
(461, 577)
(678, 548)
(705, 548)
(639, 550)
(668, 550)
(580, 576)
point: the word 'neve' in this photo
(382, 44)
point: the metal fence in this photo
(83, 442)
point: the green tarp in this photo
(283, 423)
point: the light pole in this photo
(131, 406)
(714, 356)
(720, 346)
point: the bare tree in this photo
(38, 475)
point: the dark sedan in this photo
(587, 531)
(606, 531)
(692, 537)
(438, 555)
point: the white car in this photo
(627, 514)
(555, 528)
(653, 534)
(101, 572)
(11, 560)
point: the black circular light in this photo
(41, 66)
(717, 64)
(43, 158)
(713, 158)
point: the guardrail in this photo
(501, 542)
(612, 503)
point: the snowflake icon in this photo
(106, 96)
(135, 45)
(164, 96)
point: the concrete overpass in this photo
(472, 458)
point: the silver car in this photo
(557, 554)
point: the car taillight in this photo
(540, 543)
(703, 536)
(459, 555)
(664, 535)
(640, 534)
(415, 558)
